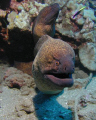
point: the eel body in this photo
(44, 24)
(53, 65)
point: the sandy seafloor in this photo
(71, 104)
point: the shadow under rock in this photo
(48, 108)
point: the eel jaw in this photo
(63, 80)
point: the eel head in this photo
(60, 71)
(49, 14)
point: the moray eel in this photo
(45, 22)
(53, 65)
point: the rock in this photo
(71, 5)
(27, 91)
(80, 21)
(16, 78)
(27, 117)
(89, 36)
(81, 83)
(87, 113)
(11, 71)
(90, 14)
(25, 106)
(87, 55)
(79, 74)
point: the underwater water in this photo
(47, 59)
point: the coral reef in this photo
(71, 26)
(24, 12)
(21, 14)
(11, 24)
(29, 103)
(79, 30)
(89, 14)
(22, 20)
(2, 13)
(16, 23)
(16, 78)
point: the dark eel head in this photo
(44, 24)
(49, 14)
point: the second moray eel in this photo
(44, 24)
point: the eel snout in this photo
(63, 75)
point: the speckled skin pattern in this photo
(45, 22)
(53, 65)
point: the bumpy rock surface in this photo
(16, 78)
(87, 55)
(28, 103)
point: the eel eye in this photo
(57, 63)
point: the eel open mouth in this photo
(63, 80)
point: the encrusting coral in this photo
(2, 13)
(24, 13)
(22, 20)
